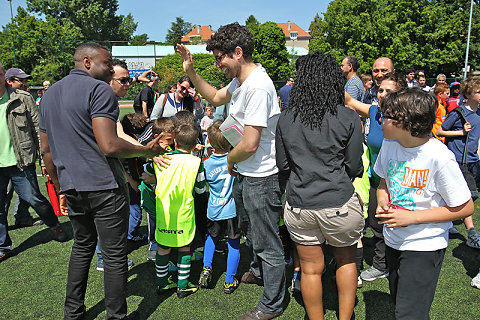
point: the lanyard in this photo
(174, 103)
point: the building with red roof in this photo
(199, 34)
(296, 36)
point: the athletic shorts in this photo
(219, 228)
(340, 227)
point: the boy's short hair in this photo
(183, 117)
(163, 125)
(397, 78)
(469, 84)
(133, 123)
(413, 110)
(217, 140)
(233, 35)
(209, 107)
(365, 77)
(441, 87)
(186, 136)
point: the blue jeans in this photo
(134, 220)
(258, 203)
(26, 186)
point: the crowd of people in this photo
(292, 183)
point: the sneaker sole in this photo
(472, 246)
(373, 279)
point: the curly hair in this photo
(470, 84)
(133, 123)
(318, 89)
(231, 36)
(413, 110)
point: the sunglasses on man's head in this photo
(387, 116)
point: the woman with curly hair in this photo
(319, 148)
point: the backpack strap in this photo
(461, 112)
(164, 102)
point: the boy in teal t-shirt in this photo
(175, 215)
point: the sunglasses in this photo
(219, 58)
(387, 116)
(124, 81)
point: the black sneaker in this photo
(230, 287)
(59, 234)
(205, 277)
(190, 289)
(169, 287)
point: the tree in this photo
(271, 52)
(252, 24)
(42, 48)
(139, 39)
(424, 34)
(178, 29)
(95, 19)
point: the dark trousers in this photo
(379, 261)
(102, 213)
(413, 279)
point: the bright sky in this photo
(155, 17)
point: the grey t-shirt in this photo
(66, 113)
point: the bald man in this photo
(81, 148)
(381, 67)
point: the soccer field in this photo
(33, 283)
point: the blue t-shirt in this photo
(284, 95)
(355, 88)
(454, 122)
(221, 205)
(374, 141)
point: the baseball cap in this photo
(456, 83)
(18, 73)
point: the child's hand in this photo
(466, 127)
(396, 218)
(150, 179)
(383, 206)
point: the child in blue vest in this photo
(421, 190)
(221, 213)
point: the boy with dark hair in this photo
(421, 191)
(221, 212)
(461, 130)
(175, 214)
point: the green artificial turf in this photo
(33, 279)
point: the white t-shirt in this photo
(420, 178)
(254, 103)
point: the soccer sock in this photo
(209, 250)
(472, 232)
(232, 259)
(183, 263)
(161, 269)
(359, 259)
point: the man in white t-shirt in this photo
(253, 102)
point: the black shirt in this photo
(319, 162)
(146, 94)
(66, 113)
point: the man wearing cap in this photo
(17, 79)
(19, 149)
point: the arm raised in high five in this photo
(214, 96)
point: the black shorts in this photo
(219, 227)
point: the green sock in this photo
(183, 263)
(161, 269)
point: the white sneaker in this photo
(476, 281)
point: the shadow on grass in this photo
(41, 237)
(469, 256)
(378, 305)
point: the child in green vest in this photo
(175, 215)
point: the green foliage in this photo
(178, 29)
(424, 34)
(94, 19)
(170, 68)
(271, 52)
(38, 49)
(139, 39)
(251, 20)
